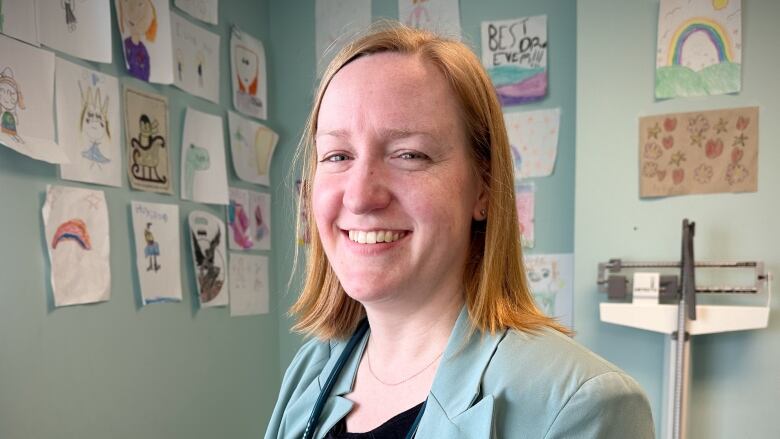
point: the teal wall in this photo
(734, 386)
(292, 25)
(114, 370)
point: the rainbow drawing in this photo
(714, 31)
(72, 230)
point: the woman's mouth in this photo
(375, 236)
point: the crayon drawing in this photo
(76, 232)
(239, 222)
(156, 231)
(700, 152)
(26, 101)
(203, 10)
(699, 48)
(248, 284)
(146, 131)
(551, 280)
(80, 28)
(260, 208)
(440, 16)
(203, 169)
(514, 52)
(525, 195)
(247, 61)
(88, 124)
(196, 56)
(146, 39)
(252, 146)
(207, 241)
(533, 141)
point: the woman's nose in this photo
(366, 188)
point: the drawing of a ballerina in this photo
(140, 18)
(93, 125)
(11, 101)
(415, 17)
(70, 14)
(152, 249)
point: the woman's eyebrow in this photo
(386, 133)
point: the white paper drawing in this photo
(145, 26)
(334, 23)
(156, 232)
(252, 147)
(17, 20)
(77, 239)
(195, 59)
(203, 10)
(551, 279)
(440, 16)
(88, 124)
(209, 255)
(203, 169)
(248, 73)
(81, 28)
(533, 140)
(248, 284)
(27, 101)
(249, 220)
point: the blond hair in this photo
(496, 290)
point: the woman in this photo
(413, 226)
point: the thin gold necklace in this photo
(371, 370)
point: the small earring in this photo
(483, 212)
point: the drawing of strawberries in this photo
(668, 142)
(678, 175)
(714, 148)
(742, 122)
(670, 123)
(736, 155)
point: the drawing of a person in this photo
(247, 71)
(93, 125)
(152, 249)
(11, 101)
(140, 18)
(415, 17)
(70, 13)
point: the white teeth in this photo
(374, 237)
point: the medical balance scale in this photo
(667, 304)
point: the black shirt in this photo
(396, 427)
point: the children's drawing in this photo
(260, 206)
(76, 233)
(11, 103)
(514, 52)
(239, 222)
(156, 231)
(699, 152)
(17, 20)
(550, 278)
(197, 159)
(208, 249)
(334, 23)
(203, 10)
(94, 125)
(248, 284)
(145, 29)
(247, 58)
(533, 140)
(440, 16)
(80, 28)
(26, 101)
(699, 48)
(146, 129)
(252, 146)
(525, 195)
(196, 57)
(261, 225)
(203, 169)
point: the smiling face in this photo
(394, 192)
(246, 65)
(138, 16)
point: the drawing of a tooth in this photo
(196, 159)
(265, 139)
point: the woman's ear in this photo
(481, 206)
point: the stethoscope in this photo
(311, 425)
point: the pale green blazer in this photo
(508, 385)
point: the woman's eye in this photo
(412, 155)
(335, 158)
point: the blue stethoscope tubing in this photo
(314, 418)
